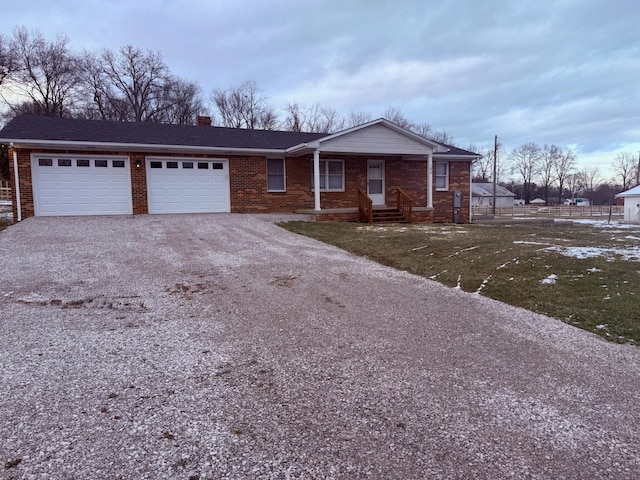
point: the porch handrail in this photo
(404, 203)
(365, 207)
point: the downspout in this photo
(17, 179)
(430, 180)
(316, 178)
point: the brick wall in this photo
(459, 179)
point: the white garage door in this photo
(188, 185)
(81, 185)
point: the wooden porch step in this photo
(388, 215)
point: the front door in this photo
(375, 181)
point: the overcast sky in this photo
(548, 71)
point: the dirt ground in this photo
(221, 346)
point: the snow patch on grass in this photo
(550, 280)
(631, 253)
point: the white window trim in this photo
(446, 176)
(284, 175)
(326, 176)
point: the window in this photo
(172, 164)
(187, 164)
(100, 163)
(331, 175)
(217, 166)
(45, 162)
(275, 175)
(118, 163)
(203, 165)
(155, 164)
(82, 162)
(442, 176)
(64, 162)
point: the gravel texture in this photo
(221, 346)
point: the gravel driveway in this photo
(221, 346)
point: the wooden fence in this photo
(560, 211)
(5, 190)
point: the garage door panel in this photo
(76, 186)
(187, 190)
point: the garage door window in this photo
(172, 164)
(83, 163)
(155, 165)
(101, 163)
(45, 162)
(118, 163)
(187, 164)
(64, 162)
(203, 165)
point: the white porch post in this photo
(430, 180)
(316, 178)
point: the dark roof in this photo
(26, 127)
(35, 128)
(455, 151)
(486, 190)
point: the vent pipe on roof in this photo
(203, 121)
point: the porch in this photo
(366, 212)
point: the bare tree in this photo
(624, 166)
(483, 167)
(46, 74)
(525, 160)
(312, 119)
(576, 183)
(244, 107)
(563, 167)
(357, 117)
(135, 81)
(8, 59)
(592, 180)
(395, 115)
(133, 85)
(180, 104)
(549, 156)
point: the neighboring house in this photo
(482, 195)
(537, 201)
(63, 166)
(631, 205)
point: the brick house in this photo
(63, 166)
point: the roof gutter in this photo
(139, 147)
(17, 179)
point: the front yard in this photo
(586, 273)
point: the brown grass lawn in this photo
(587, 275)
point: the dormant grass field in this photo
(585, 273)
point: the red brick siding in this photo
(139, 184)
(459, 179)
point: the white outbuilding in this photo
(631, 205)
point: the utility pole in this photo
(495, 168)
